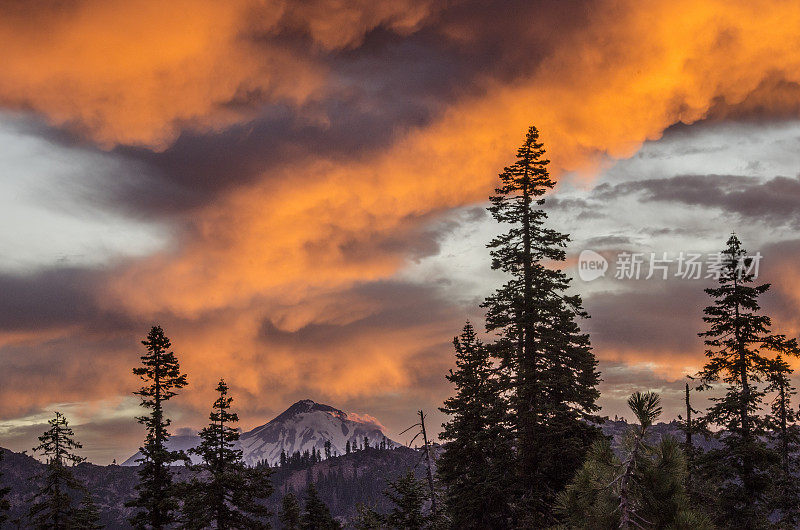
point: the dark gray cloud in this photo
(776, 201)
(662, 317)
(52, 298)
(397, 305)
(653, 316)
(613, 241)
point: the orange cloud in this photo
(287, 247)
(638, 68)
(140, 72)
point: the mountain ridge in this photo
(305, 426)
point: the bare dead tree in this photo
(426, 454)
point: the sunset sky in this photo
(296, 191)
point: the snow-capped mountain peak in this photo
(305, 426)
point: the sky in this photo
(296, 191)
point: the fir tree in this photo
(290, 512)
(157, 496)
(52, 505)
(740, 351)
(316, 516)
(549, 366)
(785, 435)
(476, 458)
(408, 496)
(645, 490)
(224, 492)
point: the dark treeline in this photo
(522, 446)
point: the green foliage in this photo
(53, 504)
(224, 492)
(645, 489)
(157, 495)
(740, 351)
(474, 465)
(549, 370)
(316, 515)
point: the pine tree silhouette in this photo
(52, 506)
(225, 493)
(740, 349)
(157, 496)
(784, 433)
(549, 369)
(476, 459)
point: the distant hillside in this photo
(343, 482)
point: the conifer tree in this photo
(408, 496)
(225, 493)
(647, 408)
(316, 515)
(550, 369)
(785, 435)
(290, 512)
(644, 490)
(740, 351)
(157, 496)
(52, 505)
(477, 457)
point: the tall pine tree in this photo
(157, 496)
(476, 459)
(53, 505)
(225, 493)
(740, 351)
(550, 370)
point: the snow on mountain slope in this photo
(304, 426)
